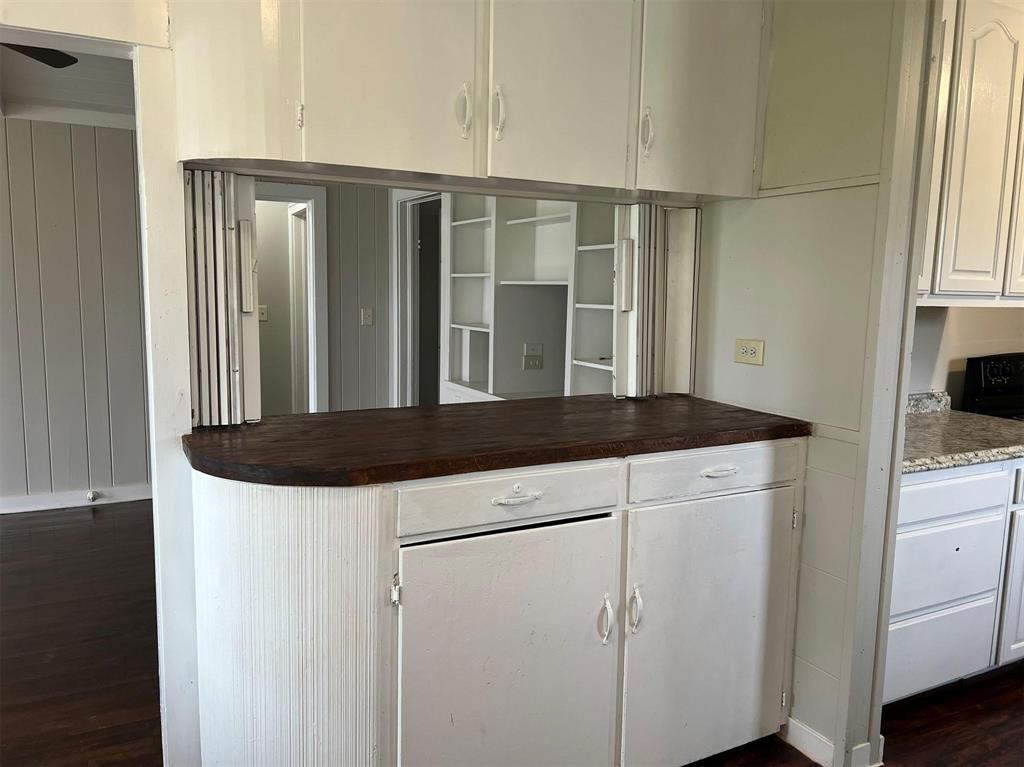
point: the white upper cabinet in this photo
(982, 149)
(698, 102)
(392, 84)
(238, 90)
(560, 81)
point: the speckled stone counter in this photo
(950, 438)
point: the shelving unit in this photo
(522, 271)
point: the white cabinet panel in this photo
(563, 72)
(502, 660)
(699, 96)
(386, 85)
(705, 665)
(982, 149)
(1011, 638)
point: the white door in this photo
(1011, 639)
(707, 587)
(509, 648)
(982, 149)
(698, 102)
(560, 75)
(391, 84)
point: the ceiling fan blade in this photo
(49, 56)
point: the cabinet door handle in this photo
(467, 98)
(719, 472)
(636, 610)
(517, 500)
(1018, 490)
(647, 131)
(606, 620)
(499, 128)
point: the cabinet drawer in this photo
(939, 564)
(455, 504)
(685, 474)
(939, 647)
(933, 500)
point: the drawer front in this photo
(937, 565)
(452, 505)
(709, 471)
(939, 647)
(933, 500)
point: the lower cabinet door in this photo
(707, 590)
(1011, 635)
(509, 648)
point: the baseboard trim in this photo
(73, 499)
(808, 742)
(860, 756)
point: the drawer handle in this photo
(606, 620)
(517, 500)
(724, 471)
(636, 610)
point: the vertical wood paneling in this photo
(118, 207)
(90, 280)
(62, 323)
(367, 254)
(381, 255)
(334, 301)
(13, 478)
(349, 257)
(29, 298)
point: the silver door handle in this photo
(636, 610)
(605, 626)
(718, 473)
(517, 500)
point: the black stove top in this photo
(994, 385)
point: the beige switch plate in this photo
(749, 351)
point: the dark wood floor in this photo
(78, 666)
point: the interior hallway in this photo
(78, 661)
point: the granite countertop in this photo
(361, 447)
(945, 439)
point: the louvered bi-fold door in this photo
(222, 290)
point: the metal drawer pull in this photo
(718, 473)
(636, 610)
(467, 99)
(605, 626)
(517, 500)
(499, 128)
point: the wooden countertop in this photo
(364, 447)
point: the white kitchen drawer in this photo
(453, 504)
(946, 497)
(699, 472)
(939, 647)
(937, 565)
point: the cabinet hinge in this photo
(396, 590)
(783, 698)
(300, 115)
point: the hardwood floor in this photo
(78, 666)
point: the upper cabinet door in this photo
(698, 98)
(391, 84)
(560, 77)
(982, 149)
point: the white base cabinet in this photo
(1011, 631)
(708, 585)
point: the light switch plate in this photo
(366, 315)
(533, 350)
(264, 314)
(749, 351)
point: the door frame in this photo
(405, 299)
(315, 200)
(298, 278)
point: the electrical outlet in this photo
(366, 315)
(533, 362)
(264, 316)
(749, 351)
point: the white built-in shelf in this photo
(608, 307)
(469, 221)
(564, 283)
(551, 218)
(476, 326)
(597, 363)
(471, 274)
(585, 248)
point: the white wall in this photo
(272, 222)
(72, 406)
(945, 337)
(143, 22)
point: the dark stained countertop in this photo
(364, 447)
(951, 438)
